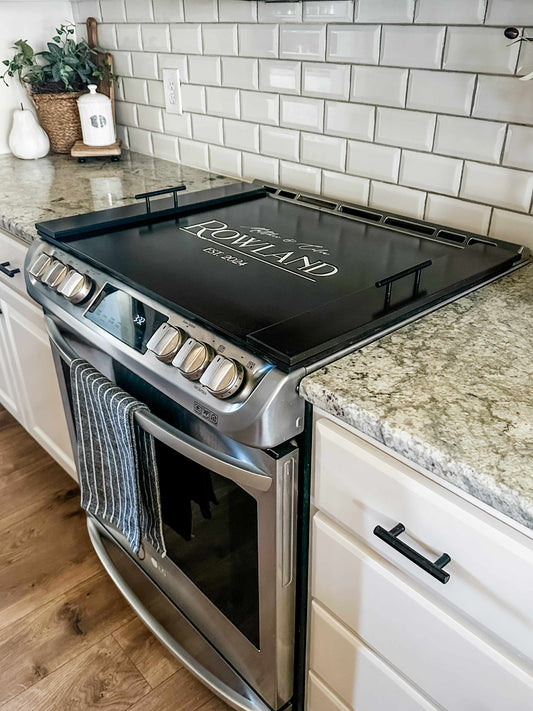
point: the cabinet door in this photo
(8, 392)
(43, 415)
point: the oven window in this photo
(210, 527)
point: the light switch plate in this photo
(172, 89)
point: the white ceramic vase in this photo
(27, 139)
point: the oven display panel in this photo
(125, 317)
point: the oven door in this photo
(229, 525)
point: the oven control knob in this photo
(75, 287)
(40, 265)
(223, 377)
(166, 342)
(193, 358)
(55, 274)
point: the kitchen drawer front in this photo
(441, 656)
(320, 698)
(13, 252)
(491, 568)
(360, 679)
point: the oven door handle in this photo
(244, 474)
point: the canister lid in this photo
(93, 97)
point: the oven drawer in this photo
(491, 568)
(439, 654)
(362, 680)
(13, 252)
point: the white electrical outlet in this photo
(172, 89)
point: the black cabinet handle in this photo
(8, 272)
(435, 569)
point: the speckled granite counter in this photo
(453, 393)
(58, 186)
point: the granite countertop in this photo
(452, 393)
(58, 186)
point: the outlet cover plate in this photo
(172, 90)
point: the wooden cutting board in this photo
(104, 87)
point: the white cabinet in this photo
(28, 381)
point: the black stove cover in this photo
(287, 281)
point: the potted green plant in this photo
(54, 79)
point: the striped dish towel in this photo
(116, 458)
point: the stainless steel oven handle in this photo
(230, 696)
(218, 462)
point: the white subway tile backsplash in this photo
(525, 57)
(350, 120)
(258, 40)
(469, 138)
(479, 49)
(174, 61)
(200, 10)
(323, 151)
(512, 227)
(280, 142)
(150, 118)
(126, 113)
(207, 129)
(458, 213)
(302, 113)
(122, 135)
(263, 108)
(226, 161)
(328, 11)
(140, 141)
(497, 186)
(278, 75)
(145, 65)
(186, 39)
(430, 172)
(194, 154)
(412, 46)
(410, 129)
(204, 70)
(300, 177)
(239, 72)
(156, 95)
(220, 39)
(155, 38)
(373, 161)
(447, 92)
(168, 10)
(509, 12)
(82, 9)
(345, 187)
(379, 85)
(165, 147)
(257, 167)
(453, 12)
(223, 102)
(122, 65)
(395, 198)
(302, 42)
(139, 11)
(327, 80)
(178, 124)
(237, 11)
(279, 12)
(504, 99)
(357, 44)
(135, 90)
(519, 147)
(193, 98)
(241, 135)
(110, 38)
(384, 11)
(112, 11)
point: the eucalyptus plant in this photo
(66, 65)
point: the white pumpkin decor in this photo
(27, 139)
(96, 116)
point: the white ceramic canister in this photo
(96, 116)
(27, 138)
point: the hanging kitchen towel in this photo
(116, 458)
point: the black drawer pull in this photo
(8, 272)
(435, 569)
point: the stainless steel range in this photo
(210, 309)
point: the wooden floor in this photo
(68, 640)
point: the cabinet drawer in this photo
(491, 568)
(320, 698)
(13, 252)
(440, 655)
(362, 680)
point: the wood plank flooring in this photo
(68, 639)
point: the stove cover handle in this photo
(242, 473)
(164, 191)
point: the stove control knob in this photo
(193, 358)
(55, 274)
(166, 342)
(40, 265)
(223, 377)
(75, 287)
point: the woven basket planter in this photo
(58, 115)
